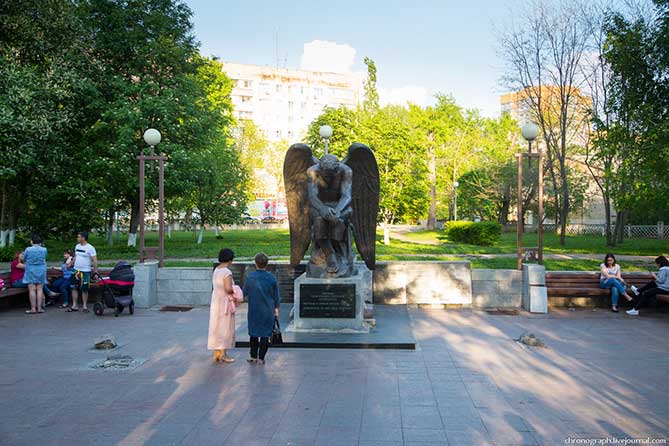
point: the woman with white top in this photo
(611, 278)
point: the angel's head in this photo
(329, 164)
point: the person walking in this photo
(35, 273)
(85, 263)
(647, 293)
(611, 278)
(224, 299)
(262, 292)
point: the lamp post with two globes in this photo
(152, 137)
(530, 131)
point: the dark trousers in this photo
(647, 295)
(63, 286)
(259, 347)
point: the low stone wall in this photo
(497, 288)
(450, 283)
(434, 283)
(192, 286)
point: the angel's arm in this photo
(346, 182)
(312, 190)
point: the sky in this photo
(420, 48)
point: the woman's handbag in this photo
(276, 338)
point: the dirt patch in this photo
(176, 308)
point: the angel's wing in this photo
(298, 159)
(365, 203)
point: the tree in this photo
(371, 93)
(216, 186)
(634, 137)
(488, 190)
(148, 75)
(43, 83)
(544, 56)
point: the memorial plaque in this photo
(327, 301)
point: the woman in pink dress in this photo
(224, 298)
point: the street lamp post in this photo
(152, 137)
(530, 131)
(326, 132)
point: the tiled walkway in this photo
(468, 383)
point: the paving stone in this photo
(381, 433)
(341, 415)
(381, 415)
(421, 417)
(426, 435)
(467, 381)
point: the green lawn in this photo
(578, 244)
(276, 243)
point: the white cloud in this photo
(409, 93)
(321, 55)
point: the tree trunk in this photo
(110, 227)
(620, 226)
(564, 212)
(200, 234)
(432, 165)
(117, 220)
(3, 208)
(607, 218)
(134, 222)
(13, 217)
(503, 217)
(386, 233)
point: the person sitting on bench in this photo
(646, 294)
(18, 270)
(611, 278)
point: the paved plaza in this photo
(467, 383)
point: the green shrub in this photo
(484, 233)
(7, 253)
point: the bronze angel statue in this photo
(330, 203)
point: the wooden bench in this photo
(11, 294)
(20, 295)
(581, 288)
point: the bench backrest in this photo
(589, 279)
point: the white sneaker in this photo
(635, 290)
(632, 312)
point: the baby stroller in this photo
(117, 290)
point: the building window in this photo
(290, 119)
(303, 105)
(246, 98)
(278, 88)
(247, 84)
(290, 105)
(278, 133)
(318, 92)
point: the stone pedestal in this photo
(535, 296)
(145, 293)
(331, 305)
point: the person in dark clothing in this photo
(646, 294)
(262, 292)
